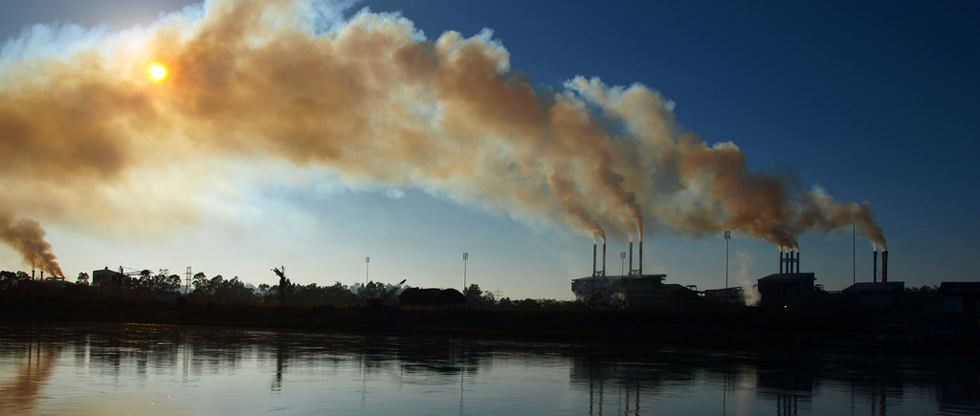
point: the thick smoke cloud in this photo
(90, 139)
(27, 237)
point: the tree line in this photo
(148, 284)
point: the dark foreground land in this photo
(745, 327)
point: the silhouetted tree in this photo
(488, 299)
(473, 295)
(339, 293)
(8, 280)
(199, 282)
(372, 292)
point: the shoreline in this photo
(740, 328)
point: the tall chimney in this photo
(42, 274)
(884, 266)
(781, 260)
(593, 258)
(603, 258)
(874, 269)
(631, 259)
(32, 273)
(796, 261)
(639, 270)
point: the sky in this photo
(313, 135)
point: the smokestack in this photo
(781, 260)
(884, 266)
(631, 259)
(874, 269)
(796, 261)
(603, 258)
(42, 274)
(639, 269)
(32, 273)
(593, 258)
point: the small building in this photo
(876, 294)
(785, 289)
(961, 298)
(107, 278)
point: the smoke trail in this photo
(744, 261)
(27, 237)
(372, 101)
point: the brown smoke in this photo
(254, 82)
(27, 237)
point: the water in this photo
(150, 370)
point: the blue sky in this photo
(873, 102)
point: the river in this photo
(91, 369)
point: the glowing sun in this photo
(158, 72)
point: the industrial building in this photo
(106, 277)
(789, 286)
(634, 288)
(961, 298)
(878, 294)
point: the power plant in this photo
(633, 287)
(789, 287)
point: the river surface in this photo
(164, 370)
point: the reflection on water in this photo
(125, 369)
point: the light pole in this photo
(622, 263)
(466, 256)
(728, 236)
(367, 269)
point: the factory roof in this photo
(659, 276)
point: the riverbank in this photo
(747, 327)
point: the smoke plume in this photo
(91, 140)
(27, 237)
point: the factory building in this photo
(879, 293)
(634, 288)
(789, 286)
(106, 278)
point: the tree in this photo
(373, 292)
(200, 283)
(474, 295)
(166, 284)
(82, 279)
(488, 299)
(8, 280)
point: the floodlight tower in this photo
(466, 256)
(728, 236)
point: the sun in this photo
(158, 72)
